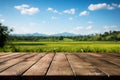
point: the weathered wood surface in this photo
(60, 64)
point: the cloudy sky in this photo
(56, 16)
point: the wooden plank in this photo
(114, 60)
(113, 55)
(116, 55)
(10, 56)
(81, 67)
(60, 66)
(103, 65)
(20, 68)
(41, 67)
(3, 54)
(12, 62)
(6, 56)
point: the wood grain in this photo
(60, 64)
(40, 68)
(105, 66)
(19, 68)
(81, 67)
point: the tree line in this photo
(106, 36)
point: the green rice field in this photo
(84, 46)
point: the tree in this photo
(4, 32)
(61, 38)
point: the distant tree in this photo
(96, 37)
(118, 36)
(106, 33)
(61, 38)
(4, 32)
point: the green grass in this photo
(84, 46)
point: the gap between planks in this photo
(59, 64)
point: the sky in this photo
(57, 16)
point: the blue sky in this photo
(57, 16)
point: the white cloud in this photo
(99, 6)
(119, 5)
(43, 22)
(21, 7)
(49, 9)
(52, 10)
(116, 5)
(90, 22)
(26, 9)
(70, 18)
(84, 13)
(69, 11)
(113, 4)
(89, 27)
(55, 11)
(2, 20)
(78, 28)
(32, 24)
(53, 17)
(84, 30)
(30, 11)
(110, 27)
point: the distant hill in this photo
(64, 34)
(39, 34)
(34, 34)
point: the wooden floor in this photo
(58, 64)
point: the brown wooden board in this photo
(81, 67)
(12, 62)
(10, 56)
(21, 67)
(103, 65)
(60, 66)
(116, 55)
(3, 54)
(41, 67)
(114, 60)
